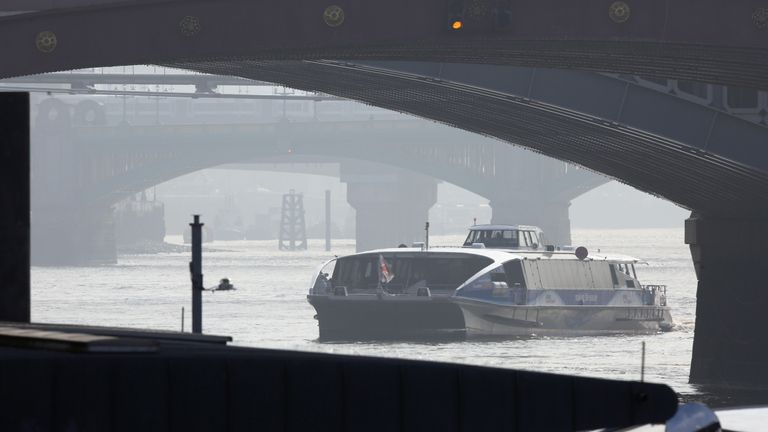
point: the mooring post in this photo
(327, 220)
(196, 272)
(14, 217)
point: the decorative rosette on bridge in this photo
(189, 26)
(478, 8)
(333, 16)
(760, 18)
(619, 12)
(46, 41)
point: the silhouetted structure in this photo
(191, 385)
(14, 207)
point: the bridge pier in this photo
(138, 221)
(14, 218)
(551, 216)
(730, 345)
(66, 229)
(391, 205)
(73, 236)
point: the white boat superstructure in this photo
(560, 293)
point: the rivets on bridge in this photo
(619, 12)
(478, 8)
(333, 16)
(760, 18)
(189, 26)
(46, 41)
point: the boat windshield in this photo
(494, 238)
(409, 271)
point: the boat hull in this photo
(386, 317)
(489, 319)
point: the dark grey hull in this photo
(488, 319)
(358, 317)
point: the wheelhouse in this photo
(505, 237)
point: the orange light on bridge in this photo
(457, 24)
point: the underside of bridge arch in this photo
(722, 42)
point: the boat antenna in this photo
(642, 364)
(426, 242)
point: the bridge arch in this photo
(542, 33)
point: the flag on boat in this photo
(385, 275)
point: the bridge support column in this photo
(392, 205)
(66, 228)
(551, 217)
(730, 345)
(73, 236)
(14, 217)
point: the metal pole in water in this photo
(182, 319)
(196, 271)
(642, 365)
(327, 220)
(426, 242)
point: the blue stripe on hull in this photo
(572, 297)
(484, 319)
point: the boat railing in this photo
(657, 294)
(322, 285)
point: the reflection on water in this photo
(269, 309)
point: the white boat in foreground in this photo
(557, 293)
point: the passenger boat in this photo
(503, 282)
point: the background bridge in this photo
(88, 166)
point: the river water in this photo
(269, 309)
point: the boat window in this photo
(471, 238)
(614, 277)
(501, 238)
(438, 272)
(531, 237)
(535, 238)
(514, 271)
(634, 273)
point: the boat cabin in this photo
(560, 278)
(524, 237)
(409, 270)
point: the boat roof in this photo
(488, 227)
(503, 255)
